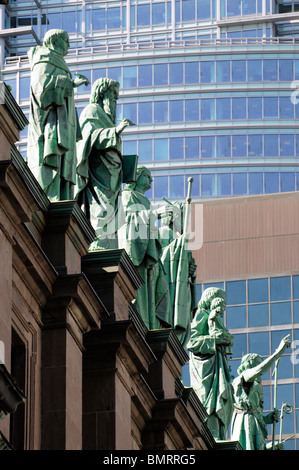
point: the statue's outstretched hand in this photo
(80, 80)
(284, 343)
(124, 123)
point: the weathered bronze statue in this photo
(139, 235)
(209, 344)
(249, 425)
(53, 121)
(100, 161)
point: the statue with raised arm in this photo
(139, 236)
(100, 162)
(180, 270)
(209, 344)
(249, 425)
(53, 122)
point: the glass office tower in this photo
(212, 88)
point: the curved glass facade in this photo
(212, 86)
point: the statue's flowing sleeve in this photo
(200, 342)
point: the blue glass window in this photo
(176, 73)
(285, 394)
(286, 108)
(239, 184)
(287, 145)
(255, 108)
(223, 146)
(176, 186)
(236, 317)
(238, 70)
(270, 145)
(255, 70)
(236, 292)
(24, 88)
(145, 75)
(248, 7)
(240, 345)
(191, 147)
(223, 108)
(234, 8)
(176, 148)
(144, 112)
(191, 110)
(13, 84)
(113, 18)
(277, 336)
(286, 70)
(280, 288)
(271, 183)
(259, 343)
(130, 111)
(258, 290)
(158, 13)
(281, 313)
(114, 73)
(54, 21)
(207, 108)
(296, 312)
(203, 9)
(99, 73)
(161, 149)
(191, 72)
(208, 147)
(255, 183)
(145, 150)
(270, 107)
(239, 108)
(287, 182)
(296, 287)
(98, 19)
(161, 111)
(130, 76)
(160, 187)
(129, 147)
(239, 145)
(161, 74)
(207, 185)
(69, 19)
(255, 145)
(223, 71)
(188, 10)
(207, 72)
(224, 184)
(270, 70)
(176, 110)
(258, 315)
(143, 15)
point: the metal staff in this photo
(188, 202)
(274, 400)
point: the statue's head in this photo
(57, 40)
(105, 92)
(143, 180)
(209, 295)
(249, 361)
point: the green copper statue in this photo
(180, 270)
(209, 344)
(249, 425)
(53, 128)
(100, 165)
(139, 236)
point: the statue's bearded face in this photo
(110, 102)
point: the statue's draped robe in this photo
(53, 124)
(248, 423)
(176, 260)
(139, 236)
(210, 375)
(99, 172)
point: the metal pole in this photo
(274, 401)
(187, 209)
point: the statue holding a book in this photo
(101, 167)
